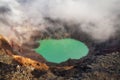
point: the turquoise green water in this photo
(61, 50)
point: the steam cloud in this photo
(20, 19)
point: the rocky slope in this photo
(16, 66)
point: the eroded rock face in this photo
(17, 50)
(7, 49)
